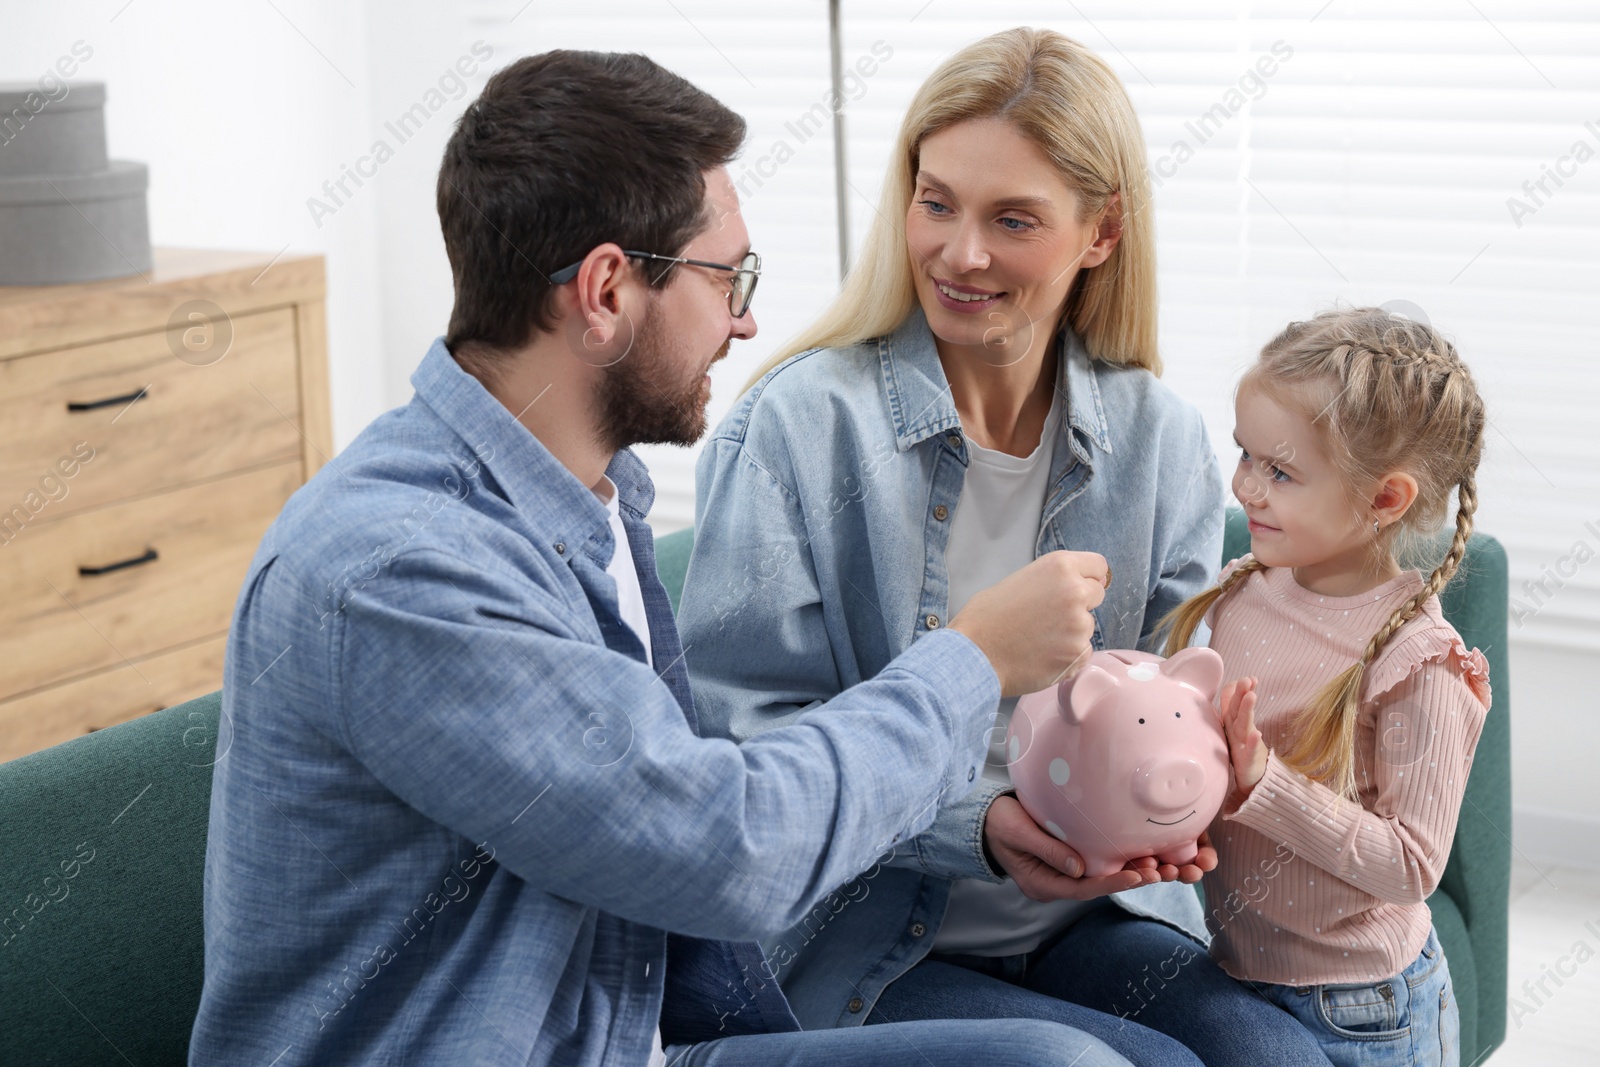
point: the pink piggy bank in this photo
(1124, 759)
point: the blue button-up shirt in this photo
(454, 811)
(823, 505)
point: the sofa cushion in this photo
(101, 943)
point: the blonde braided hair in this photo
(1182, 621)
(1385, 394)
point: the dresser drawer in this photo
(62, 712)
(169, 565)
(72, 438)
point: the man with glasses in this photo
(460, 813)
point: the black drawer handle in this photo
(110, 401)
(150, 556)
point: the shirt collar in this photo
(919, 395)
(547, 495)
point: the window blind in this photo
(1441, 158)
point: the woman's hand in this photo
(1205, 859)
(1246, 748)
(1043, 867)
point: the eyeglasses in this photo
(745, 276)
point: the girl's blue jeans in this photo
(1411, 1018)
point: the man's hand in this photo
(1035, 625)
(1043, 867)
(1246, 748)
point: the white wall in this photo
(1555, 740)
(413, 44)
(240, 120)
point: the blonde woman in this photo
(984, 390)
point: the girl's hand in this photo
(1246, 747)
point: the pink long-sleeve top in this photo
(1309, 888)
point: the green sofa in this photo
(101, 949)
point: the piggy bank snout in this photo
(1168, 785)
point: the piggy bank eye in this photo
(1177, 715)
(1141, 722)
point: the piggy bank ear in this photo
(1200, 668)
(1090, 686)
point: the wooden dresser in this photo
(150, 430)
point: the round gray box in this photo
(60, 228)
(57, 129)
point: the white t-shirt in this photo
(630, 598)
(630, 605)
(992, 535)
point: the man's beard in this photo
(642, 403)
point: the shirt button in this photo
(955, 440)
(941, 513)
(972, 772)
(856, 1004)
(561, 548)
(917, 929)
(932, 621)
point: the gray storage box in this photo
(57, 228)
(59, 132)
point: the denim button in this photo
(917, 929)
(856, 1004)
(932, 621)
(1303, 990)
(561, 548)
(941, 512)
(955, 440)
(972, 772)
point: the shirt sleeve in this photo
(751, 614)
(1395, 847)
(1191, 529)
(757, 643)
(476, 703)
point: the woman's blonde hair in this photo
(1385, 393)
(1065, 100)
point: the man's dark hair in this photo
(561, 152)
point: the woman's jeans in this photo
(932, 1043)
(1411, 1018)
(1140, 986)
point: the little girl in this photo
(1354, 428)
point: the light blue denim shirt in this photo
(454, 810)
(822, 514)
